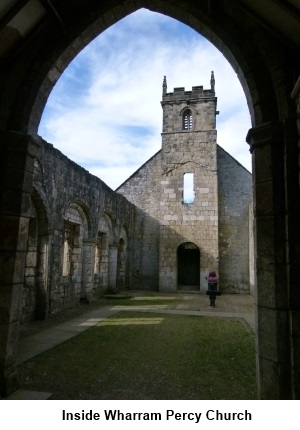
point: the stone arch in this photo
(75, 230)
(230, 29)
(106, 223)
(193, 124)
(35, 291)
(38, 173)
(84, 212)
(123, 234)
(267, 70)
(193, 110)
(40, 201)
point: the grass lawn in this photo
(141, 356)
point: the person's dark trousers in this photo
(212, 288)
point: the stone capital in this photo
(296, 90)
(269, 133)
(18, 142)
(17, 154)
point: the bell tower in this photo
(189, 111)
(189, 188)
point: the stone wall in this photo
(235, 196)
(30, 276)
(220, 218)
(143, 187)
(212, 228)
(143, 190)
(144, 253)
(86, 240)
(79, 237)
(296, 98)
(196, 222)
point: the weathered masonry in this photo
(85, 239)
(78, 237)
(199, 194)
(261, 40)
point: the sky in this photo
(104, 112)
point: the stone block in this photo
(273, 326)
(31, 259)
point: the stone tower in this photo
(189, 188)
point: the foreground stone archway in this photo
(267, 69)
(228, 27)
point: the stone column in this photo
(112, 267)
(42, 304)
(17, 153)
(294, 250)
(88, 264)
(272, 307)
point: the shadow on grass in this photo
(136, 357)
(164, 302)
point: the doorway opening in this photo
(188, 266)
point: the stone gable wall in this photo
(143, 187)
(218, 219)
(235, 197)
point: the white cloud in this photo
(105, 113)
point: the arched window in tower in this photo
(187, 123)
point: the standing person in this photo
(212, 281)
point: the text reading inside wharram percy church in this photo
(169, 415)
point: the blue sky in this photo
(104, 112)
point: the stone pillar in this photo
(88, 264)
(112, 267)
(42, 304)
(294, 249)
(272, 306)
(17, 153)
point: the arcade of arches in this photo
(264, 52)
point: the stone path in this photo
(228, 306)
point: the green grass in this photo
(140, 356)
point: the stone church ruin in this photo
(86, 240)
(88, 237)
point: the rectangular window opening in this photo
(188, 188)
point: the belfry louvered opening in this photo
(187, 120)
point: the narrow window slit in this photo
(188, 188)
(187, 120)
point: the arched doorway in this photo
(188, 266)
